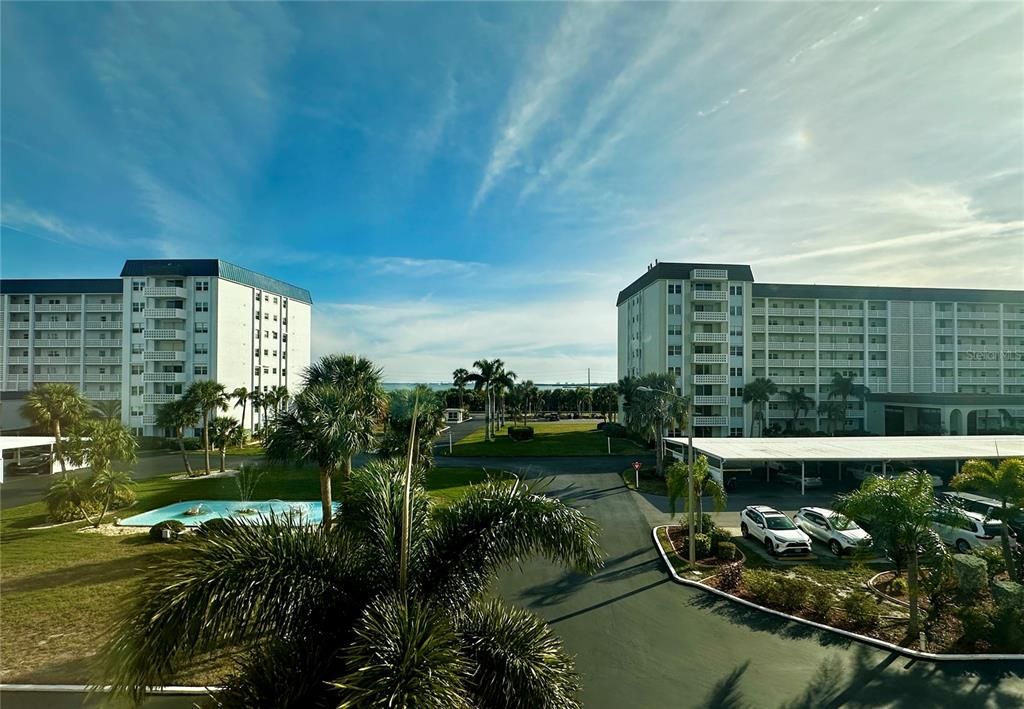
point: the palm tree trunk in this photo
(1011, 566)
(206, 440)
(347, 467)
(241, 427)
(85, 516)
(700, 511)
(103, 512)
(912, 591)
(223, 455)
(181, 447)
(659, 453)
(58, 449)
(325, 498)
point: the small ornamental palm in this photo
(208, 397)
(322, 618)
(1005, 483)
(678, 477)
(178, 415)
(56, 406)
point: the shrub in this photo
(727, 551)
(156, 532)
(760, 585)
(730, 577)
(63, 509)
(702, 543)
(192, 444)
(971, 575)
(861, 610)
(708, 525)
(821, 602)
(976, 622)
(792, 593)
(214, 526)
(520, 433)
(718, 537)
(1008, 630)
(614, 430)
(898, 587)
(993, 557)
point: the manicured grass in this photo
(61, 590)
(649, 482)
(549, 439)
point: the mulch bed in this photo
(681, 546)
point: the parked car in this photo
(794, 479)
(828, 526)
(970, 531)
(773, 529)
(985, 506)
(552, 416)
(868, 470)
(30, 465)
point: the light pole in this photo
(691, 503)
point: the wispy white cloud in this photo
(423, 268)
(54, 228)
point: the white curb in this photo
(931, 656)
(79, 688)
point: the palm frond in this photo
(518, 662)
(405, 654)
(495, 524)
(258, 581)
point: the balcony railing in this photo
(963, 315)
(710, 358)
(993, 380)
(159, 398)
(979, 332)
(795, 329)
(152, 334)
(164, 356)
(18, 325)
(792, 380)
(112, 344)
(776, 345)
(169, 377)
(65, 377)
(102, 377)
(710, 401)
(103, 360)
(41, 325)
(710, 337)
(164, 292)
(1006, 316)
(149, 420)
(757, 311)
(56, 359)
(706, 316)
(710, 295)
(103, 307)
(179, 313)
(102, 395)
(717, 274)
(17, 308)
(757, 327)
(710, 379)
(17, 360)
(804, 363)
(792, 312)
(841, 346)
(840, 313)
(710, 421)
(103, 324)
(63, 308)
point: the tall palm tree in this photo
(834, 412)
(758, 392)
(901, 511)
(1003, 482)
(653, 406)
(484, 378)
(241, 396)
(109, 409)
(281, 396)
(207, 396)
(429, 407)
(223, 431)
(843, 388)
(799, 403)
(459, 378)
(178, 415)
(626, 388)
(256, 401)
(323, 618)
(325, 427)
(503, 382)
(704, 483)
(55, 406)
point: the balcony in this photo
(17, 308)
(979, 364)
(159, 398)
(103, 307)
(792, 312)
(710, 359)
(710, 401)
(718, 295)
(103, 324)
(945, 387)
(978, 332)
(1006, 316)
(151, 334)
(878, 331)
(991, 381)
(943, 331)
(833, 313)
(66, 377)
(843, 330)
(757, 327)
(757, 311)
(794, 329)
(103, 360)
(149, 420)
(102, 377)
(710, 379)
(112, 344)
(18, 325)
(808, 363)
(164, 292)
(709, 274)
(65, 308)
(710, 337)
(793, 380)
(710, 421)
(707, 316)
(40, 325)
(965, 315)
(164, 356)
(164, 377)
(102, 395)
(179, 313)
(841, 346)
(17, 360)
(877, 383)
(792, 346)
(46, 359)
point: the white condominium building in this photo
(141, 339)
(932, 359)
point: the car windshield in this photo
(843, 524)
(778, 522)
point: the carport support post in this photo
(802, 480)
(689, 484)
(884, 468)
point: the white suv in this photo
(828, 526)
(972, 530)
(773, 529)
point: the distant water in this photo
(391, 386)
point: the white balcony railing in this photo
(841, 330)
(159, 398)
(710, 421)
(710, 337)
(777, 345)
(710, 295)
(164, 292)
(710, 401)
(164, 356)
(17, 360)
(179, 313)
(18, 308)
(840, 313)
(42, 325)
(18, 325)
(966, 315)
(978, 332)
(710, 358)
(878, 331)
(149, 420)
(707, 316)
(103, 360)
(153, 334)
(103, 324)
(112, 344)
(808, 363)
(877, 347)
(710, 379)
(65, 308)
(64, 377)
(757, 311)
(792, 380)
(717, 274)
(169, 377)
(89, 377)
(757, 327)
(795, 329)
(993, 380)
(104, 307)
(102, 395)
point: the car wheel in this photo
(769, 546)
(744, 531)
(836, 547)
(962, 546)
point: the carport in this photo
(20, 443)
(744, 452)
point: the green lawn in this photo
(550, 439)
(649, 482)
(60, 589)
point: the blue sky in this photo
(456, 180)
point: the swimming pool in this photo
(256, 512)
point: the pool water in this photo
(204, 510)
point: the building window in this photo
(201, 369)
(266, 351)
(137, 369)
(675, 309)
(256, 352)
(675, 288)
(735, 290)
(137, 348)
(675, 350)
(736, 350)
(201, 348)
(675, 330)
(137, 390)
(266, 370)
(266, 333)
(257, 333)
(275, 300)
(735, 310)
(735, 391)
(275, 334)
(202, 307)
(137, 328)
(274, 370)
(138, 285)
(735, 371)
(202, 286)
(736, 332)
(736, 412)
(202, 327)
(735, 433)
(256, 370)
(137, 307)
(266, 298)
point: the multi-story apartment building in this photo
(141, 339)
(932, 359)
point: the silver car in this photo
(828, 526)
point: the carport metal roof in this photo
(848, 448)
(14, 442)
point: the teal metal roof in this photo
(213, 267)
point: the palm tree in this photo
(488, 371)
(606, 400)
(503, 382)
(1003, 482)
(799, 403)
(280, 396)
(109, 409)
(459, 378)
(54, 406)
(323, 618)
(207, 396)
(224, 430)
(757, 393)
(834, 412)
(242, 397)
(653, 406)
(325, 427)
(429, 422)
(844, 388)
(704, 483)
(626, 388)
(178, 415)
(901, 511)
(257, 399)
